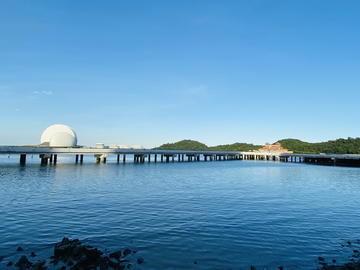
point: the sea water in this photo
(183, 215)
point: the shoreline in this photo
(73, 255)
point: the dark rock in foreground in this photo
(346, 266)
(78, 257)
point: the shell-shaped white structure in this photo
(59, 136)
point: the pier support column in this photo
(44, 158)
(162, 157)
(55, 159)
(100, 158)
(118, 158)
(51, 158)
(77, 158)
(81, 159)
(124, 158)
(44, 161)
(155, 158)
(22, 159)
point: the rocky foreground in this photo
(74, 256)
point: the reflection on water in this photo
(222, 215)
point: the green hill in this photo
(195, 145)
(235, 147)
(339, 146)
(183, 145)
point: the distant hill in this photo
(183, 145)
(195, 145)
(235, 147)
(339, 146)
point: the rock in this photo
(82, 263)
(281, 267)
(60, 249)
(39, 265)
(116, 254)
(252, 268)
(1, 258)
(92, 254)
(79, 257)
(76, 252)
(102, 263)
(141, 260)
(334, 261)
(65, 241)
(126, 252)
(9, 263)
(113, 263)
(19, 249)
(321, 259)
(22, 261)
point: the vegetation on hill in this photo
(339, 146)
(235, 147)
(195, 145)
(183, 145)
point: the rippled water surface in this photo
(219, 215)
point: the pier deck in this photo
(49, 154)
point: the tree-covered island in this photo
(339, 146)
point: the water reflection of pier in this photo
(48, 155)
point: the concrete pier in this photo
(49, 155)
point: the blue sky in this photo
(153, 72)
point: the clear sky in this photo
(153, 72)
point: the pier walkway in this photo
(49, 155)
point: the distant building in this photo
(274, 148)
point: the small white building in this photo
(99, 146)
(137, 147)
(113, 146)
(124, 147)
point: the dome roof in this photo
(59, 135)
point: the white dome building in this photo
(59, 136)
